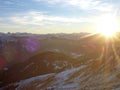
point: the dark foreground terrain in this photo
(59, 62)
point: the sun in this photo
(107, 25)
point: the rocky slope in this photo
(89, 63)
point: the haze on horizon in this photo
(54, 16)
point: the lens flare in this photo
(1, 62)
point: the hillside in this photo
(62, 63)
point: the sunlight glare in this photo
(107, 25)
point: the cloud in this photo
(39, 18)
(83, 4)
(11, 4)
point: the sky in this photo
(54, 16)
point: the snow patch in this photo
(64, 75)
(28, 81)
(75, 55)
